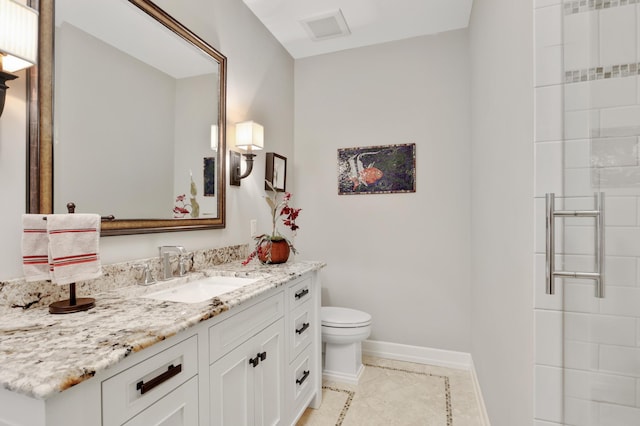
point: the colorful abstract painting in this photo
(377, 169)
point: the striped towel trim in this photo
(35, 260)
(74, 260)
(65, 231)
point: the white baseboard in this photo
(479, 399)
(431, 356)
(417, 354)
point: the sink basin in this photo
(201, 290)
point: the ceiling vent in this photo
(325, 26)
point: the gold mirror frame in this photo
(40, 134)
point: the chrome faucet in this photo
(165, 261)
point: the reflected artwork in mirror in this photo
(128, 99)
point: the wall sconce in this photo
(214, 137)
(249, 136)
(18, 42)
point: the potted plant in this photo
(274, 247)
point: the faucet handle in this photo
(182, 266)
(147, 275)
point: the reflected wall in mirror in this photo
(137, 125)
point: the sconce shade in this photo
(214, 137)
(249, 135)
(18, 36)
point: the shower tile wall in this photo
(587, 123)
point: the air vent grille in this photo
(326, 26)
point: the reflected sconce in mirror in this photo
(249, 137)
(214, 137)
(18, 42)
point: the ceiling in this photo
(369, 21)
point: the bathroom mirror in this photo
(131, 118)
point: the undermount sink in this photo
(201, 290)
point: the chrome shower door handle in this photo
(550, 251)
(600, 245)
(598, 214)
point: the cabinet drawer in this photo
(230, 333)
(300, 385)
(301, 329)
(300, 292)
(179, 407)
(136, 388)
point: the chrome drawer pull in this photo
(304, 377)
(171, 371)
(300, 294)
(303, 328)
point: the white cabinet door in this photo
(246, 384)
(231, 390)
(177, 408)
(269, 393)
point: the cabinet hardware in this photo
(300, 294)
(259, 357)
(304, 377)
(171, 371)
(303, 328)
(254, 361)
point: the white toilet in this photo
(343, 330)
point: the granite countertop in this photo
(42, 354)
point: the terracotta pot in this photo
(274, 251)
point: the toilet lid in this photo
(343, 317)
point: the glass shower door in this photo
(601, 106)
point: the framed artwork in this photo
(381, 169)
(209, 176)
(276, 171)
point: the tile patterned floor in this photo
(399, 393)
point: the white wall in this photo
(502, 206)
(259, 87)
(404, 258)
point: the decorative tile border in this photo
(447, 387)
(347, 404)
(351, 394)
(600, 73)
(578, 6)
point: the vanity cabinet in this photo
(246, 384)
(256, 364)
(303, 374)
(247, 355)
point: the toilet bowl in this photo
(343, 330)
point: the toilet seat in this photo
(335, 317)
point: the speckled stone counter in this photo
(42, 354)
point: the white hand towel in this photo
(35, 247)
(74, 247)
